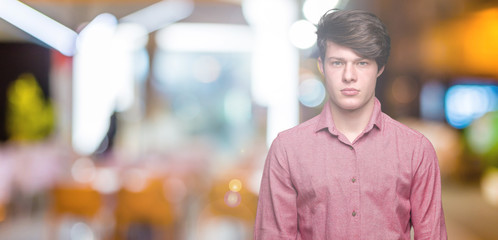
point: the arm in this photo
(276, 216)
(426, 208)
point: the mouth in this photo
(350, 91)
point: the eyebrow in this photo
(342, 59)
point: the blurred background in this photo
(147, 119)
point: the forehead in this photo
(335, 50)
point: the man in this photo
(351, 172)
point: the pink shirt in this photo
(318, 185)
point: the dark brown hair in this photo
(356, 29)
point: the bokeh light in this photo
(464, 103)
(232, 199)
(403, 89)
(489, 186)
(274, 83)
(314, 9)
(39, 26)
(81, 231)
(302, 34)
(235, 185)
(264, 13)
(106, 180)
(311, 92)
(95, 85)
(482, 138)
(83, 170)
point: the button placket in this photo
(355, 189)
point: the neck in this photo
(352, 122)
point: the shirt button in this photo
(354, 214)
(351, 147)
(353, 180)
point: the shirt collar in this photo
(326, 121)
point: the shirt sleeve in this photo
(276, 216)
(427, 214)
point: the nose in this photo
(349, 73)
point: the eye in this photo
(336, 63)
(363, 63)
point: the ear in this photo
(320, 65)
(381, 70)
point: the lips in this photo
(350, 91)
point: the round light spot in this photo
(302, 34)
(232, 199)
(314, 9)
(403, 90)
(311, 92)
(81, 231)
(83, 170)
(465, 103)
(235, 185)
(106, 181)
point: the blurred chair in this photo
(144, 214)
(73, 204)
(77, 200)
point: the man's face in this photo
(350, 79)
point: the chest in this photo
(378, 169)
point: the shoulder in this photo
(397, 128)
(411, 141)
(405, 136)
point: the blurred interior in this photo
(147, 119)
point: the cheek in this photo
(331, 87)
(371, 84)
(332, 76)
(370, 78)
(330, 79)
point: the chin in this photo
(351, 106)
